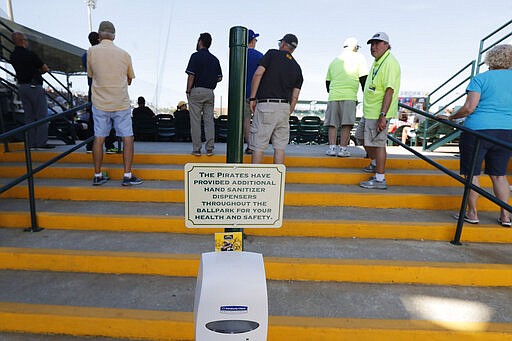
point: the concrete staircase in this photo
(348, 264)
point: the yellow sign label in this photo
(228, 241)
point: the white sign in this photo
(234, 195)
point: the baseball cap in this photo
(350, 42)
(181, 103)
(290, 39)
(107, 26)
(252, 35)
(382, 36)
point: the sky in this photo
(431, 39)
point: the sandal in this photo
(504, 223)
(466, 219)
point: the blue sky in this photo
(431, 39)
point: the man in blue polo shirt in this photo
(204, 73)
(253, 57)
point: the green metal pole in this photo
(236, 93)
(236, 98)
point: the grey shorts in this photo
(340, 113)
(103, 122)
(270, 123)
(367, 131)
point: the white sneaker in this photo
(372, 183)
(343, 152)
(331, 151)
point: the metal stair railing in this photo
(475, 69)
(467, 182)
(482, 50)
(68, 96)
(29, 175)
(450, 91)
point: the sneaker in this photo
(99, 180)
(131, 181)
(331, 151)
(196, 152)
(113, 150)
(248, 151)
(372, 183)
(88, 151)
(343, 152)
(370, 168)
(209, 152)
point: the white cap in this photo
(350, 43)
(379, 36)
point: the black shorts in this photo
(496, 157)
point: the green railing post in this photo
(236, 93)
(236, 98)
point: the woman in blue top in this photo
(488, 109)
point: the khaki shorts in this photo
(367, 131)
(270, 123)
(340, 113)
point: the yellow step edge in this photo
(168, 325)
(369, 199)
(291, 227)
(299, 177)
(277, 268)
(181, 159)
(87, 321)
(13, 147)
(87, 173)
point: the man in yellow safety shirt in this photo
(380, 103)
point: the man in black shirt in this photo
(142, 112)
(274, 93)
(29, 69)
(204, 73)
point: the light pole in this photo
(91, 4)
(9, 10)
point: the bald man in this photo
(29, 70)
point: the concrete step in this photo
(6, 336)
(342, 222)
(412, 197)
(300, 158)
(287, 258)
(321, 299)
(112, 258)
(338, 176)
(158, 308)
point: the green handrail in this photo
(482, 50)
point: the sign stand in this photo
(231, 291)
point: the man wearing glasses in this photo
(380, 103)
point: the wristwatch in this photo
(382, 114)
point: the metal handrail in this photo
(481, 50)
(452, 89)
(49, 72)
(29, 176)
(452, 77)
(467, 182)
